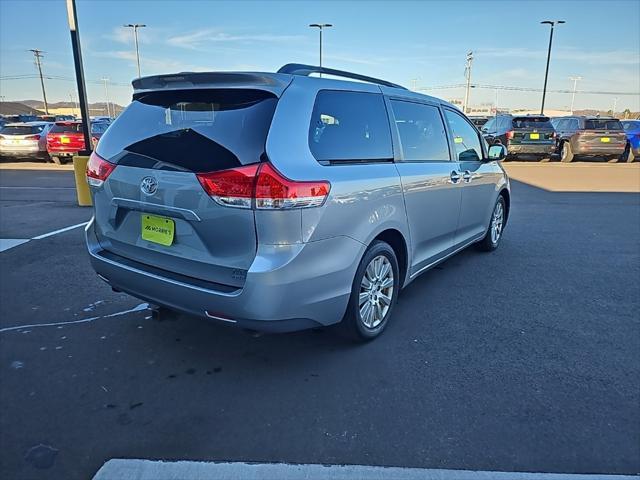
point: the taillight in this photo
(262, 183)
(233, 187)
(98, 169)
(276, 191)
(32, 137)
(553, 135)
(510, 134)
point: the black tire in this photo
(488, 244)
(56, 159)
(352, 323)
(566, 154)
(627, 156)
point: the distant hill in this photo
(94, 108)
(18, 108)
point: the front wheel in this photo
(373, 294)
(494, 234)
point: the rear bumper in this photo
(534, 149)
(595, 149)
(288, 287)
(22, 151)
(63, 153)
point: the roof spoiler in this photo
(187, 80)
(306, 70)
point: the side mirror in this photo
(497, 151)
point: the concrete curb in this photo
(121, 469)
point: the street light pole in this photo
(135, 27)
(553, 23)
(320, 27)
(77, 60)
(573, 95)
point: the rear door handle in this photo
(467, 177)
(454, 177)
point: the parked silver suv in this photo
(281, 201)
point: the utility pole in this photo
(467, 74)
(135, 27)
(106, 95)
(615, 104)
(320, 26)
(414, 84)
(77, 61)
(74, 104)
(546, 72)
(38, 55)
(573, 95)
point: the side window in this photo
(421, 131)
(349, 126)
(506, 124)
(465, 138)
(574, 124)
(561, 125)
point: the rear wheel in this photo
(494, 234)
(373, 293)
(566, 155)
(56, 159)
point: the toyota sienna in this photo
(284, 201)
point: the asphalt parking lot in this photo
(525, 359)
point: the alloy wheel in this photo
(376, 291)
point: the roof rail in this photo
(306, 70)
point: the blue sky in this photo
(399, 41)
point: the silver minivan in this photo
(283, 201)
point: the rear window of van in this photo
(200, 130)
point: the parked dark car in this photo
(632, 130)
(590, 136)
(529, 134)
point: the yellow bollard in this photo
(82, 188)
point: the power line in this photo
(523, 89)
(58, 77)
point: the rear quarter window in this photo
(201, 130)
(349, 127)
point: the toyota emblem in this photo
(149, 185)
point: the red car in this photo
(66, 139)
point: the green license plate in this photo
(534, 136)
(158, 229)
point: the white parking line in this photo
(7, 243)
(37, 188)
(122, 469)
(137, 308)
(55, 232)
